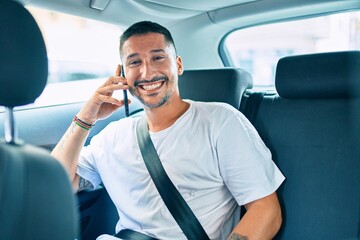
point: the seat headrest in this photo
(215, 85)
(23, 57)
(321, 75)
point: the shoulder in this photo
(214, 107)
(223, 116)
(217, 111)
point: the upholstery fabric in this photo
(313, 132)
(22, 56)
(215, 85)
(321, 75)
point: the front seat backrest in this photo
(36, 197)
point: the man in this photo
(222, 166)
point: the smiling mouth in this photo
(151, 86)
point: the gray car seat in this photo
(312, 129)
(215, 85)
(36, 197)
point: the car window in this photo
(82, 53)
(78, 48)
(257, 49)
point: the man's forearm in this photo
(261, 221)
(68, 149)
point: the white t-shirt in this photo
(212, 154)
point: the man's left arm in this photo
(262, 220)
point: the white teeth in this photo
(151, 86)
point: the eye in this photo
(158, 57)
(134, 63)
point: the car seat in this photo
(36, 197)
(312, 129)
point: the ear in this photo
(179, 64)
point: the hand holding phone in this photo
(126, 100)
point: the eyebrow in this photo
(152, 51)
(157, 50)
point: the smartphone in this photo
(126, 100)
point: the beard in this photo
(162, 97)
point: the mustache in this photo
(154, 79)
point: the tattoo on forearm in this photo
(66, 136)
(236, 236)
(84, 184)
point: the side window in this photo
(78, 48)
(257, 49)
(81, 52)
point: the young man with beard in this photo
(213, 174)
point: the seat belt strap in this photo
(129, 234)
(252, 106)
(173, 200)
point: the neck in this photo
(163, 117)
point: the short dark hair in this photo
(145, 27)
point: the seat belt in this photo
(129, 234)
(173, 200)
(252, 106)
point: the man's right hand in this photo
(101, 104)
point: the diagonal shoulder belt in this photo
(173, 200)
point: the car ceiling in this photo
(203, 22)
(125, 12)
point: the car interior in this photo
(309, 119)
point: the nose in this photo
(147, 71)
